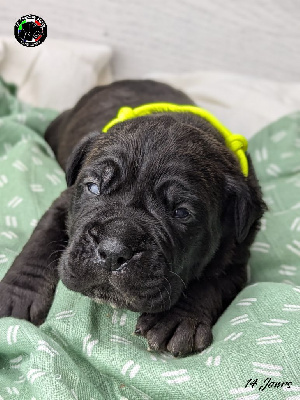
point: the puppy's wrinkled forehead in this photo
(152, 147)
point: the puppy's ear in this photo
(77, 157)
(243, 206)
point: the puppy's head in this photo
(147, 211)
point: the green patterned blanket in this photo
(255, 352)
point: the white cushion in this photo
(56, 73)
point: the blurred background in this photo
(259, 38)
(233, 55)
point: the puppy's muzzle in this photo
(116, 243)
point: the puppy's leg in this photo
(28, 287)
(187, 326)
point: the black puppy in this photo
(158, 218)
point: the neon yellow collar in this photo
(236, 143)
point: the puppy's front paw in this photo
(180, 335)
(23, 303)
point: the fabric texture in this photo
(70, 357)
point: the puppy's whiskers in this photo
(161, 297)
(172, 272)
(169, 293)
(59, 242)
(53, 261)
(56, 251)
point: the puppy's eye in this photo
(93, 188)
(181, 213)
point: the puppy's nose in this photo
(113, 254)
